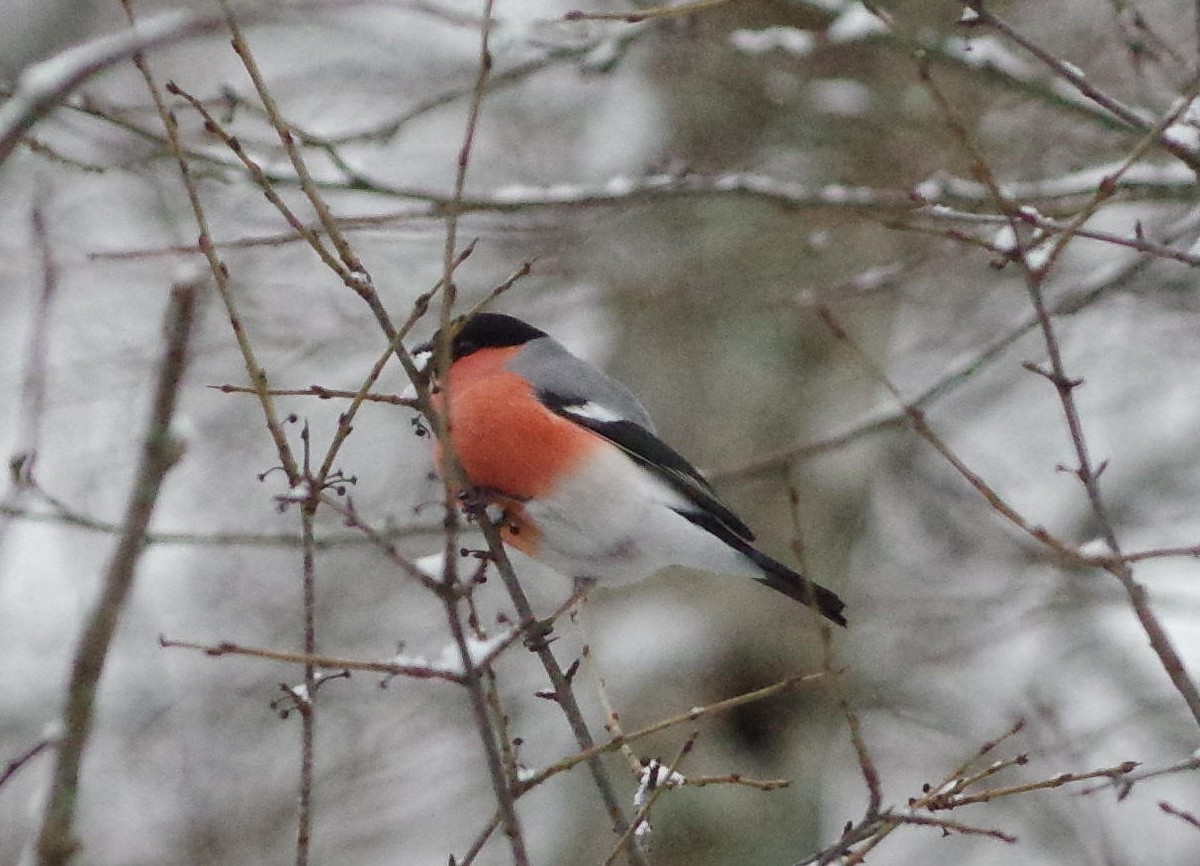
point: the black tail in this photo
(782, 579)
(774, 574)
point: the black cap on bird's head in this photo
(492, 331)
(483, 331)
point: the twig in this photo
(307, 707)
(1186, 817)
(873, 829)
(694, 713)
(564, 694)
(940, 214)
(16, 764)
(263, 182)
(56, 842)
(78, 520)
(413, 671)
(1125, 783)
(657, 12)
(323, 393)
(951, 826)
(33, 386)
(829, 665)
(382, 541)
(738, 779)
(953, 800)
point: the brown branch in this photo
(936, 216)
(657, 12)
(263, 182)
(62, 514)
(323, 393)
(16, 764)
(1076, 79)
(739, 780)
(415, 671)
(916, 418)
(56, 843)
(1186, 817)
(951, 826)
(617, 742)
(953, 799)
(307, 707)
(1192, 551)
(1124, 784)
(1064, 387)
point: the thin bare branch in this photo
(678, 10)
(335, 663)
(56, 843)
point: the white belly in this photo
(614, 523)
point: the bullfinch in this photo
(569, 462)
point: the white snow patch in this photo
(655, 775)
(855, 24)
(1005, 240)
(517, 192)
(449, 659)
(432, 565)
(843, 97)
(1038, 255)
(619, 186)
(988, 52)
(1073, 69)
(1182, 135)
(1094, 547)
(928, 189)
(790, 40)
(299, 493)
(183, 430)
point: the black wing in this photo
(650, 452)
(708, 512)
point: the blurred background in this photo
(691, 190)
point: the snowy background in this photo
(690, 191)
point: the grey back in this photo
(552, 369)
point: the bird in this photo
(567, 463)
